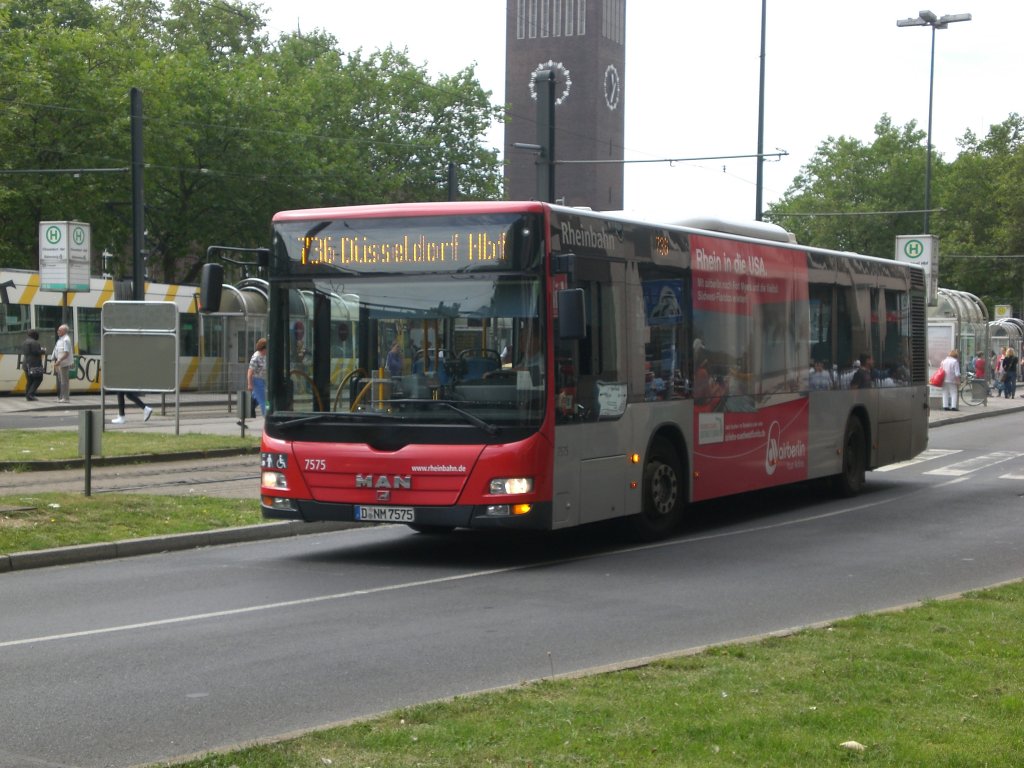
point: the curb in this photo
(44, 558)
(972, 413)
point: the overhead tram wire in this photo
(811, 214)
(778, 155)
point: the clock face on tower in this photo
(562, 79)
(612, 87)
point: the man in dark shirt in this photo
(862, 376)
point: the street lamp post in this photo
(929, 19)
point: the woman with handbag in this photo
(950, 367)
(32, 361)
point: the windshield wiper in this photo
(302, 420)
(334, 415)
(470, 417)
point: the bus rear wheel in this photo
(851, 479)
(663, 493)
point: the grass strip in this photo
(46, 520)
(938, 685)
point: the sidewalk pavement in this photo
(993, 406)
(218, 417)
(205, 412)
(219, 411)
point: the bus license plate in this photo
(385, 514)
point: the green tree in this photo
(851, 195)
(236, 126)
(982, 201)
(57, 115)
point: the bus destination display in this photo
(407, 250)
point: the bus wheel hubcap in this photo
(663, 490)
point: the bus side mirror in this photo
(572, 314)
(211, 281)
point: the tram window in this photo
(15, 320)
(213, 334)
(188, 332)
(88, 338)
(48, 319)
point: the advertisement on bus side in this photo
(750, 426)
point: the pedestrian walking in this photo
(32, 361)
(121, 418)
(256, 376)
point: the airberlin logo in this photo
(777, 451)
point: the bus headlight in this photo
(505, 486)
(276, 480)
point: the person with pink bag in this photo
(950, 367)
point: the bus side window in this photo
(820, 330)
(569, 402)
(846, 317)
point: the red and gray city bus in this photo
(522, 365)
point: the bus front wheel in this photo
(663, 493)
(851, 479)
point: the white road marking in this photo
(967, 466)
(926, 455)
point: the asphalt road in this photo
(123, 662)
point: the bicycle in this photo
(975, 390)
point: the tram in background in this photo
(214, 347)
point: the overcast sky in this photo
(691, 81)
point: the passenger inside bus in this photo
(533, 354)
(394, 359)
(820, 378)
(532, 357)
(862, 377)
(707, 389)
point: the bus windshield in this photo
(398, 334)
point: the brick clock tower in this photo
(584, 43)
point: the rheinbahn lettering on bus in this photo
(531, 366)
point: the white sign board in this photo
(922, 250)
(64, 248)
(1003, 311)
(140, 346)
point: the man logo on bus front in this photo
(384, 481)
